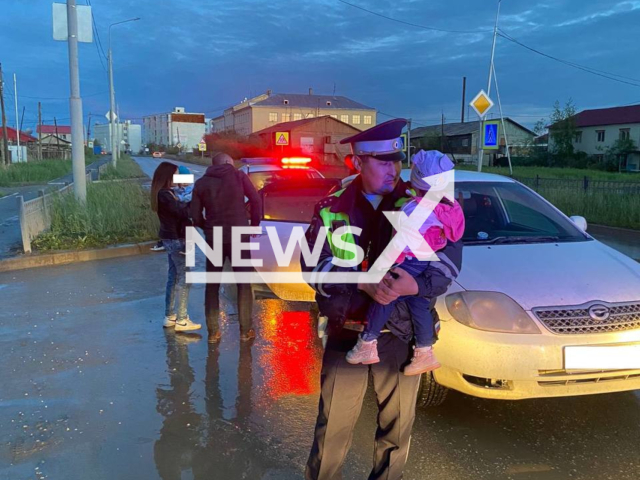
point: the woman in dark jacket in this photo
(174, 217)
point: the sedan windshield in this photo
(508, 213)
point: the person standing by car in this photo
(174, 217)
(218, 201)
(377, 156)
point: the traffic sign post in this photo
(481, 104)
(202, 147)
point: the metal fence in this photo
(35, 214)
(584, 184)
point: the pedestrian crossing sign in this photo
(282, 138)
(491, 131)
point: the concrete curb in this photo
(67, 257)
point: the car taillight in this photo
(296, 160)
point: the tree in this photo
(562, 131)
(540, 127)
(617, 153)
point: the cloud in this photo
(622, 7)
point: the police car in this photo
(540, 308)
(264, 170)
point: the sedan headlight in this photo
(490, 311)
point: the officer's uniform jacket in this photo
(350, 207)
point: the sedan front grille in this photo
(577, 320)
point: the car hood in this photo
(543, 275)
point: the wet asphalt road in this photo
(93, 388)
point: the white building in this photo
(169, 129)
(129, 136)
(598, 130)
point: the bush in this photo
(117, 212)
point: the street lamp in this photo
(115, 149)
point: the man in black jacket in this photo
(378, 189)
(218, 201)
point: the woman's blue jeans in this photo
(177, 294)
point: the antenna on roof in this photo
(334, 89)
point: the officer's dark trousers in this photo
(212, 292)
(343, 387)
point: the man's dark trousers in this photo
(342, 392)
(212, 292)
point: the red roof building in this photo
(24, 137)
(608, 116)
(53, 130)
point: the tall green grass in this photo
(117, 212)
(550, 172)
(126, 168)
(34, 172)
(609, 209)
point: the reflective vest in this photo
(334, 220)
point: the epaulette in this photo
(327, 202)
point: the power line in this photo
(424, 27)
(593, 71)
(98, 43)
(60, 98)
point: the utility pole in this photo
(5, 138)
(442, 134)
(464, 94)
(55, 123)
(89, 128)
(15, 97)
(75, 106)
(39, 131)
(112, 109)
(112, 97)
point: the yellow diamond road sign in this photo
(481, 104)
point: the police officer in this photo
(377, 156)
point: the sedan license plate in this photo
(602, 357)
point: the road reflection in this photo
(220, 441)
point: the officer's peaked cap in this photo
(383, 142)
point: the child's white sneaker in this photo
(364, 352)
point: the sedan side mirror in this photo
(580, 222)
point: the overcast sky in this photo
(206, 55)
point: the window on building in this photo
(344, 118)
(625, 134)
(356, 120)
(367, 119)
(599, 158)
(273, 117)
(286, 117)
(578, 138)
(600, 134)
(465, 142)
(297, 116)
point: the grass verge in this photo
(34, 172)
(126, 168)
(610, 209)
(115, 213)
(549, 172)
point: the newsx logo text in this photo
(281, 264)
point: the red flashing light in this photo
(296, 160)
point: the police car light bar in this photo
(296, 160)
